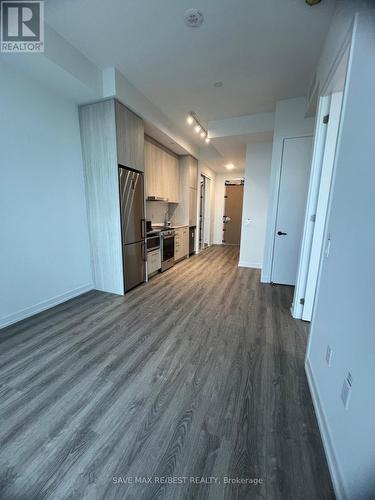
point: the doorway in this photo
(232, 217)
(291, 206)
(315, 241)
(204, 212)
(320, 189)
(202, 205)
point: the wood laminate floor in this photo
(197, 374)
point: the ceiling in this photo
(262, 50)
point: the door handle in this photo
(143, 228)
(144, 257)
(280, 233)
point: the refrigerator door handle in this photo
(143, 228)
(144, 251)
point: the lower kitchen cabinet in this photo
(181, 243)
(153, 261)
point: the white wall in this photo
(290, 122)
(220, 203)
(255, 204)
(44, 250)
(257, 123)
(344, 309)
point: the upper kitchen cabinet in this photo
(173, 179)
(130, 138)
(110, 135)
(193, 172)
(162, 173)
(189, 173)
(190, 164)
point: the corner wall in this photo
(44, 250)
(255, 204)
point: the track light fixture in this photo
(199, 129)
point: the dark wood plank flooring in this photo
(197, 374)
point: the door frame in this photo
(201, 211)
(312, 198)
(312, 243)
(274, 225)
(207, 210)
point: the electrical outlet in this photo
(346, 390)
(329, 355)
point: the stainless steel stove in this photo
(167, 248)
(163, 238)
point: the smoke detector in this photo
(193, 18)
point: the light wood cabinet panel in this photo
(193, 193)
(110, 134)
(99, 149)
(173, 179)
(153, 261)
(166, 174)
(193, 173)
(181, 243)
(162, 173)
(150, 169)
(130, 138)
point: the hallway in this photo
(198, 373)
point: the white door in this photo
(294, 179)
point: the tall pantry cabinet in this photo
(111, 134)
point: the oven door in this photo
(168, 248)
(153, 243)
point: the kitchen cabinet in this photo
(173, 180)
(186, 211)
(162, 173)
(193, 193)
(153, 261)
(181, 243)
(193, 172)
(110, 134)
(130, 138)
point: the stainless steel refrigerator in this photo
(133, 223)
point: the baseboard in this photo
(325, 435)
(252, 265)
(42, 306)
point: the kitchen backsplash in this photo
(155, 211)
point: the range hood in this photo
(156, 198)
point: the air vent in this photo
(193, 18)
